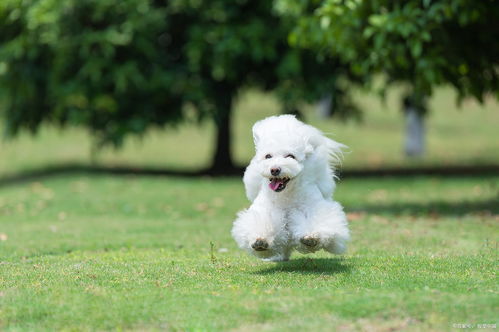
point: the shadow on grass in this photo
(433, 209)
(309, 266)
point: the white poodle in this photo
(290, 181)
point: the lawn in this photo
(87, 252)
(101, 252)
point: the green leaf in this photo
(416, 48)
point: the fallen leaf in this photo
(218, 202)
(352, 216)
(202, 207)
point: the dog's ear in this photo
(335, 151)
(309, 149)
(313, 139)
(256, 138)
(257, 128)
(316, 141)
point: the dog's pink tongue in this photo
(274, 184)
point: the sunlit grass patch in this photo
(155, 253)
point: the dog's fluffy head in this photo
(286, 146)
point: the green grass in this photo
(455, 137)
(134, 253)
(87, 252)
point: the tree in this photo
(230, 45)
(91, 63)
(420, 43)
(121, 67)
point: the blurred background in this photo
(91, 90)
(177, 85)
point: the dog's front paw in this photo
(260, 245)
(309, 243)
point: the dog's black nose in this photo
(275, 171)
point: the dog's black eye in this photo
(290, 156)
(268, 156)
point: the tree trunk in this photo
(222, 160)
(324, 107)
(414, 131)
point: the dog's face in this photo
(281, 161)
(286, 148)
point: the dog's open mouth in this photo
(278, 184)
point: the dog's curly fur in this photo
(290, 182)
